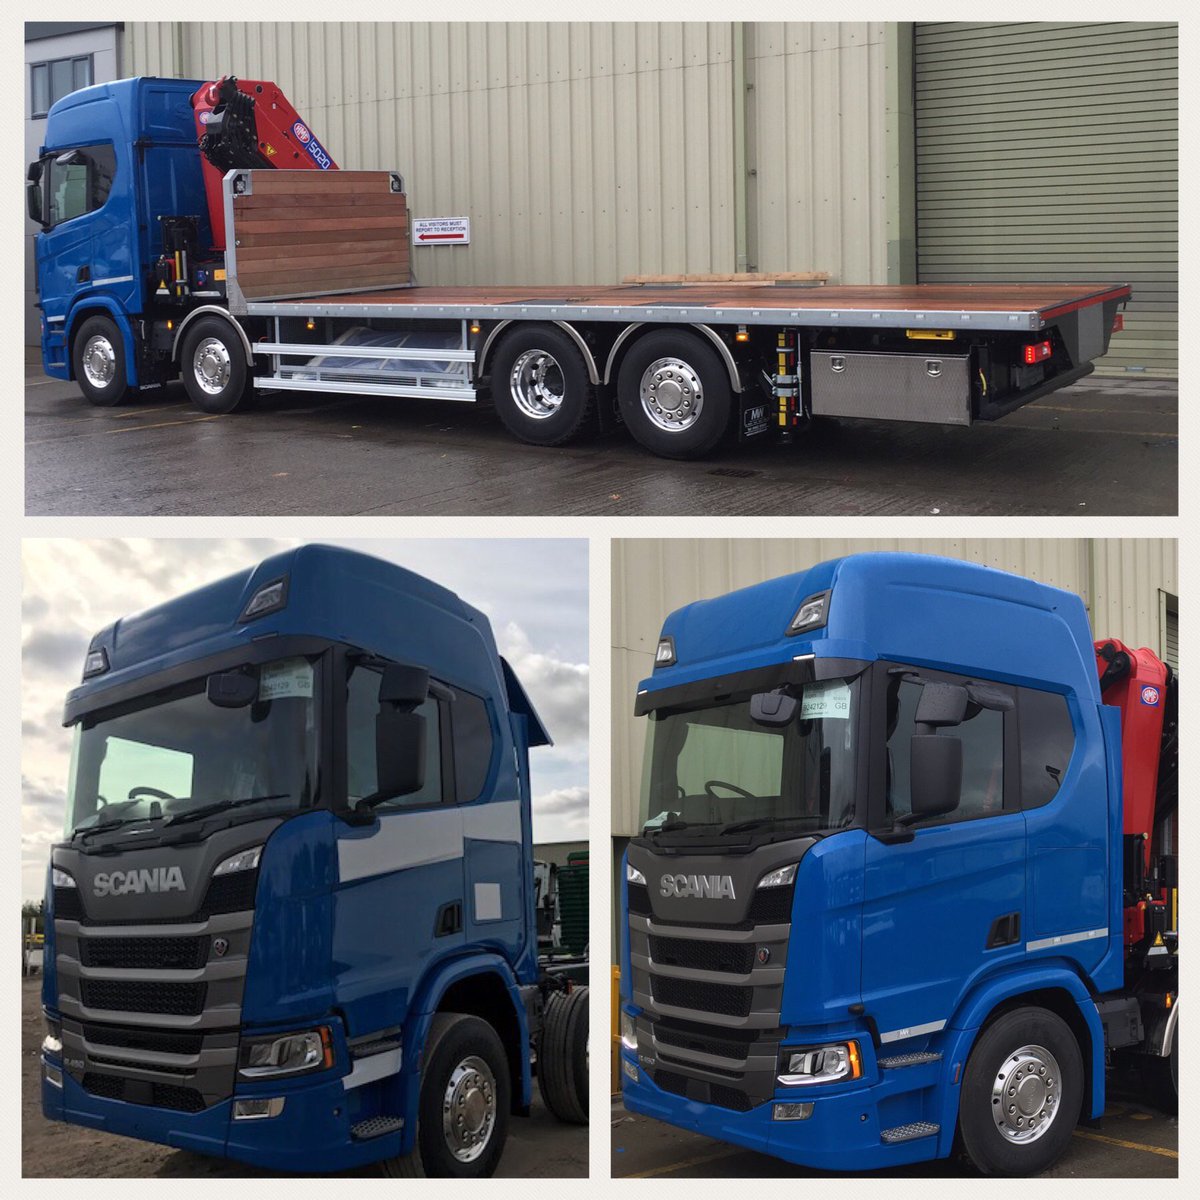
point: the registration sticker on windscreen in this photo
(829, 700)
(288, 677)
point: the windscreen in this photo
(717, 769)
(165, 758)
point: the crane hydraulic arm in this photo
(243, 124)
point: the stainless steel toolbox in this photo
(930, 387)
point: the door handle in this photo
(83, 275)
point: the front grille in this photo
(120, 995)
(67, 905)
(702, 1039)
(143, 1039)
(771, 906)
(723, 998)
(152, 953)
(730, 957)
(226, 894)
(159, 1095)
(639, 900)
(138, 1064)
(728, 1097)
(718, 1094)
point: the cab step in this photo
(909, 1060)
(910, 1132)
(375, 1127)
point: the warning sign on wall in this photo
(441, 231)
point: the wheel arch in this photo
(486, 985)
(494, 337)
(1058, 990)
(96, 304)
(626, 339)
(212, 310)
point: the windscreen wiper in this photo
(208, 810)
(104, 826)
(759, 822)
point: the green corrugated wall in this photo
(1050, 152)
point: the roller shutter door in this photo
(1049, 152)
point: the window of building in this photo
(50, 81)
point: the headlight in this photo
(820, 1064)
(628, 1032)
(244, 860)
(633, 875)
(287, 1054)
(779, 877)
(61, 878)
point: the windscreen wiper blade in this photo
(104, 826)
(208, 810)
(759, 822)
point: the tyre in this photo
(562, 1056)
(540, 385)
(1021, 1093)
(674, 394)
(98, 358)
(462, 1113)
(212, 363)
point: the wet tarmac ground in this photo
(1102, 447)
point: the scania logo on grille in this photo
(699, 887)
(220, 947)
(152, 879)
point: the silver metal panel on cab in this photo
(934, 388)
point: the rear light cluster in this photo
(1037, 352)
(1118, 323)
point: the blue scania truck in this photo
(905, 882)
(188, 232)
(291, 920)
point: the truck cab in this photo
(292, 912)
(877, 897)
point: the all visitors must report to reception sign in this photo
(441, 231)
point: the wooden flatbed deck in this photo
(971, 306)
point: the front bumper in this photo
(311, 1135)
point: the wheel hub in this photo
(671, 394)
(469, 1109)
(211, 366)
(536, 383)
(1026, 1094)
(99, 361)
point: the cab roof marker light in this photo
(664, 656)
(96, 663)
(243, 860)
(813, 613)
(269, 598)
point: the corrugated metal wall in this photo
(1120, 580)
(588, 151)
(1050, 151)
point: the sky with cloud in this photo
(534, 592)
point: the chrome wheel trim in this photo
(671, 394)
(211, 366)
(1026, 1094)
(469, 1109)
(99, 361)
(537, 384)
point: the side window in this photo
(77, 182)
(982, 736)
(1047, 742)
(362, 707)
(472, 745)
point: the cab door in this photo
(947, 904)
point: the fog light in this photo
(791, 1112)
(631, 1072)
(628, 1032)
(256, 1110)
(53, 1075)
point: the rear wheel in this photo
(1021, 1093)
(540, 385)
(674, 394)
(98, 356)
(562, 1056)
(213, 365)
(462, 1114)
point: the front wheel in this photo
(213, 366)
(540, 385)
(1021, 1093)
(674, 394)
(98, 356)
(462, 1113)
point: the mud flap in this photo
(754, 415)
